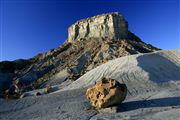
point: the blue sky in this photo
(29, 27)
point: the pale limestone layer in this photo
(111, 25)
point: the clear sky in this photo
(29, 27)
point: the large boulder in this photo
(106, 93)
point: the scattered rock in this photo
(23, 95)
(38, 94)
(48, 89)
(18, 84)
(106, 93)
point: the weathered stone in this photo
(37, 94)
(106, 93)
(18, 84)
(111, 25)
(48, 89)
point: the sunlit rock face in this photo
(106, 93)
(111, 25)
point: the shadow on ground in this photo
(159, 68)
(160, 102)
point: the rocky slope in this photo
(91, 42)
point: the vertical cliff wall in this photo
(111, 25)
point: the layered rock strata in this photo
(111, 25)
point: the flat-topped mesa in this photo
(111, 25)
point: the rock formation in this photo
(106, 93)
(91, 42)
(112, 25)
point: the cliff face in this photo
(91, 42)
(111, 25)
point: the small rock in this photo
(48, 89)
(106, 93)
(23, 95)
(38, 94)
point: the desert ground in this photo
(152, 79)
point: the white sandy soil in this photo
(153, 82)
